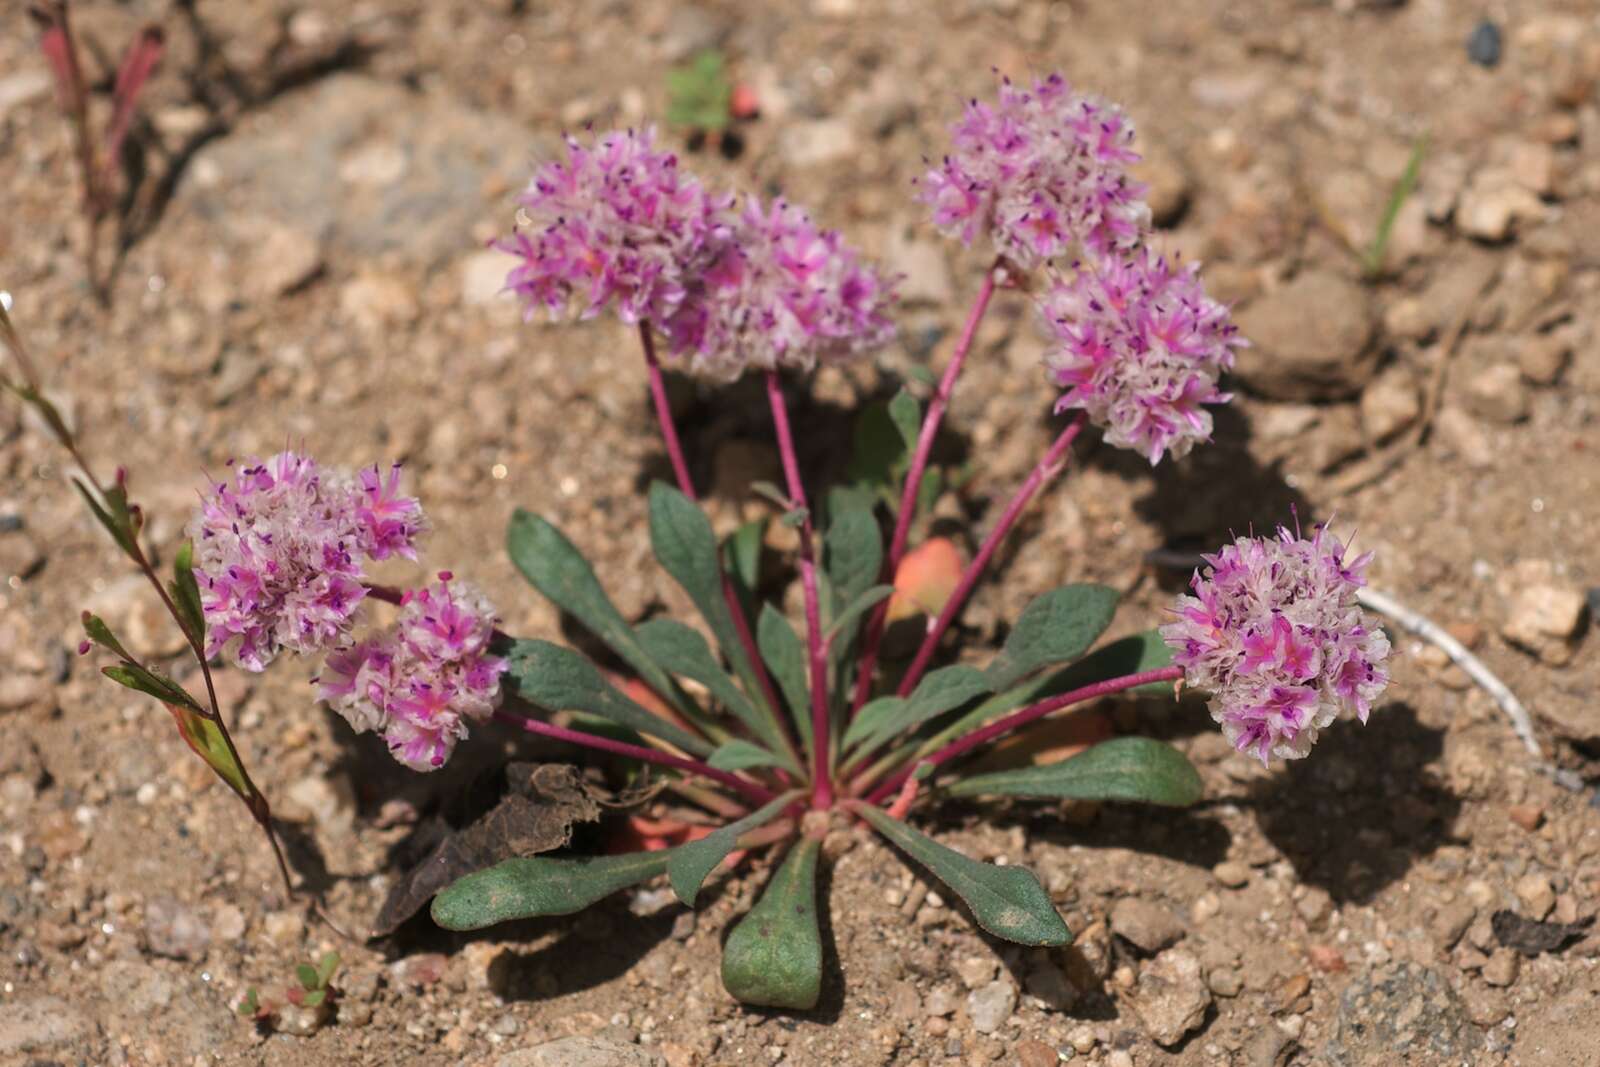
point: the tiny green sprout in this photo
(1372, 261)
(699, 94)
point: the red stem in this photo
(913, 486)
(816, 645)
(1010, 722)
(648, 755)
(1042, 472)
(680, 468)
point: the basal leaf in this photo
(683, 651)
(1124, 768)
(1054, 628)
(773, 958)
(742, 755)
(560, 679)
(940, 691)
(786, 659)
(531, 886)
(1127, 655)
(686, 548)
(558, 570)
(691, 863)
(844, 624)
(1008, 902)
(741, 554)
(905, 411)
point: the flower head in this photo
(616, 221)
(781, 292)
(421, 682)
(279, 552)
(1039, 172)
(1139, 348)
(1274, 633)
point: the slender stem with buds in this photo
(913, 487)
(1005, 725)
(646, 755)
(816, 643)
(1043, 471)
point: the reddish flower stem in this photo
(1043, 471)
(648, 755)
(913, 487)
(816, 644)
(1005, 725)
(680, 468)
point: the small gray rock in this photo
(1497, 393)
(1390, 404)
(1310, 340)
(1148, 927)
(174, 930)
(1402, 1013)
(991, 1005)
(1171, 998)
(39, 1025)
(582, 1052)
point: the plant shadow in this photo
(1360, 814)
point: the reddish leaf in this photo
(925, 579)
(137, 66)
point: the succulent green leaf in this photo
(843, 624)
(1134, 654)
(682, 650)
(940, 691)
(307, 975)
(692, 863)
(560, 679)
(326, 968)
(699, 95)
(741, 554)
(1008, 902)
(1125, 768)
(555, 567)
(773, 957)
(786, 658)
(905, 411)
(314, 998)
(742, 755)
(530, 886)
(1054, 628)
(686, 548)
(880, 452)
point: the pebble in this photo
(1148, 927)
(39, 1025)
(1466, 436)
(284, 928)
(1497, 393)
(975, 971)
(419, 971)
(583, 1052)
(1543, 357)
(22, 690)
(228, 924)
(1031, 1053)
(1527, 816)
(1494, 203)
(377, 302)
(1050, 985)
(1533, 165)
(1172, 997)
(1484, 44)
(1544, 619)
(1310, 339)
(1450, 922)
(1537, 895)
(1390, 403)
(991, 1005)
(329, 799)
(483, 278)
(175, 930)
(1502, 968)
(1401, 1013)
(1231, 873)
(818, 142)
(283, 259)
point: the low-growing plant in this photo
(782, 731)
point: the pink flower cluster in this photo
(1040, 173)
(620, 223)
(782, 293)
(279, 553)
(1139, 348)
(1274, 633)
(422, 681)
